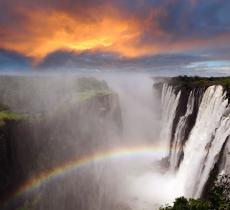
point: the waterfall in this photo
(205, 142)
(169, 101)
(225, 162)
(176, 149)
(221, 135)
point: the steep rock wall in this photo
(43, 141)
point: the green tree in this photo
(188, 204)
(219, 198)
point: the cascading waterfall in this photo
(225, 162)
(205, 142)
(176, 149)
(169, 102)
(221, 135)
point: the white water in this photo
(146, 186)
(205, 142)
(225, 164)
(179, 134)
(141, 125)
(169, 101)
(221, 134)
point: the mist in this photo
(97, 141)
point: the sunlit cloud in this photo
(128, 29)
(47, 31)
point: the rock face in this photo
(71, 129)
(8, 170)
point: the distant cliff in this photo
(49, 134)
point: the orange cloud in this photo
(41, 28)
(48, 31)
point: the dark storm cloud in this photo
(196, 18)
(163, 64)
(109, 61)
(11, 60)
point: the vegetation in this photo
(89, 87)
(219, 198)
(220, 194)
(191, 204)
(91, 83)
(9, 116)
(92, 93)
(187, 81)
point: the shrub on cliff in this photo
(9, 116)
(90, 87)
(91, 83)
(196, 81)
(220, 193)
(188, 204)
(219, 198)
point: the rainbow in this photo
(119, 153)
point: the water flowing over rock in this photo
(176, 149)
(194, 158)
(169, 102)
(225, 166)
(205, 142)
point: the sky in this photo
(161, 36)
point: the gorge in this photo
(110, 141)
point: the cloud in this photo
(197, 19)
(131, 28)
(109, 61)
(10, 60)
(161, 64)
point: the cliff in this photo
(186, 85)
(49, 134)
